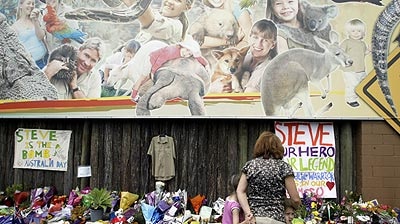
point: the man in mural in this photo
(85, 83)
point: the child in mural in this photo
(286, 13)
(263, 49)
(157, 58)
(30, 32)
(122, 56)
(297, 30)
(233, 213)
(357, 49)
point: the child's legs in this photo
(142, 73)
(351, 80)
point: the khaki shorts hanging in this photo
(266, 220)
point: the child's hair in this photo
(233, 182)
(132, 46)
(289, 203)
(269, 12)
(268, 30)
(355, 24)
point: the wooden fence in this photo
(208, 152)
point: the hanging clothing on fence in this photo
(162, 152)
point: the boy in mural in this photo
(357, 49)
(121, 56)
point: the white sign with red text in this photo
(310, 149)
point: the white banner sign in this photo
(310, 149)
(41, 149)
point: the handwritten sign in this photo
(41, 149)
(310, 150)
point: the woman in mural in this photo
(30, 32)
(263, 49)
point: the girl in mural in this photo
(297, 30)
(243, 17)
(263, 49)
(357, 49)
(286, 13)
(30, 32)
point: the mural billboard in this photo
(194, 58)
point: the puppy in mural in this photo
(227, 68)
(287, 76)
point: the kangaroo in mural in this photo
(287, 76)
(383, 29)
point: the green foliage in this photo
(10, 190)
(99, 198)
(247, 3)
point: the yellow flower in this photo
(315, 213)
(313, 204)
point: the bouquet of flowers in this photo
(310, 208)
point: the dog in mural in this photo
(227, 68)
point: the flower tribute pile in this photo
(42, 205)
(351, 209)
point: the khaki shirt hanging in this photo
(162, 152)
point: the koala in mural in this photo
(316, 20)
